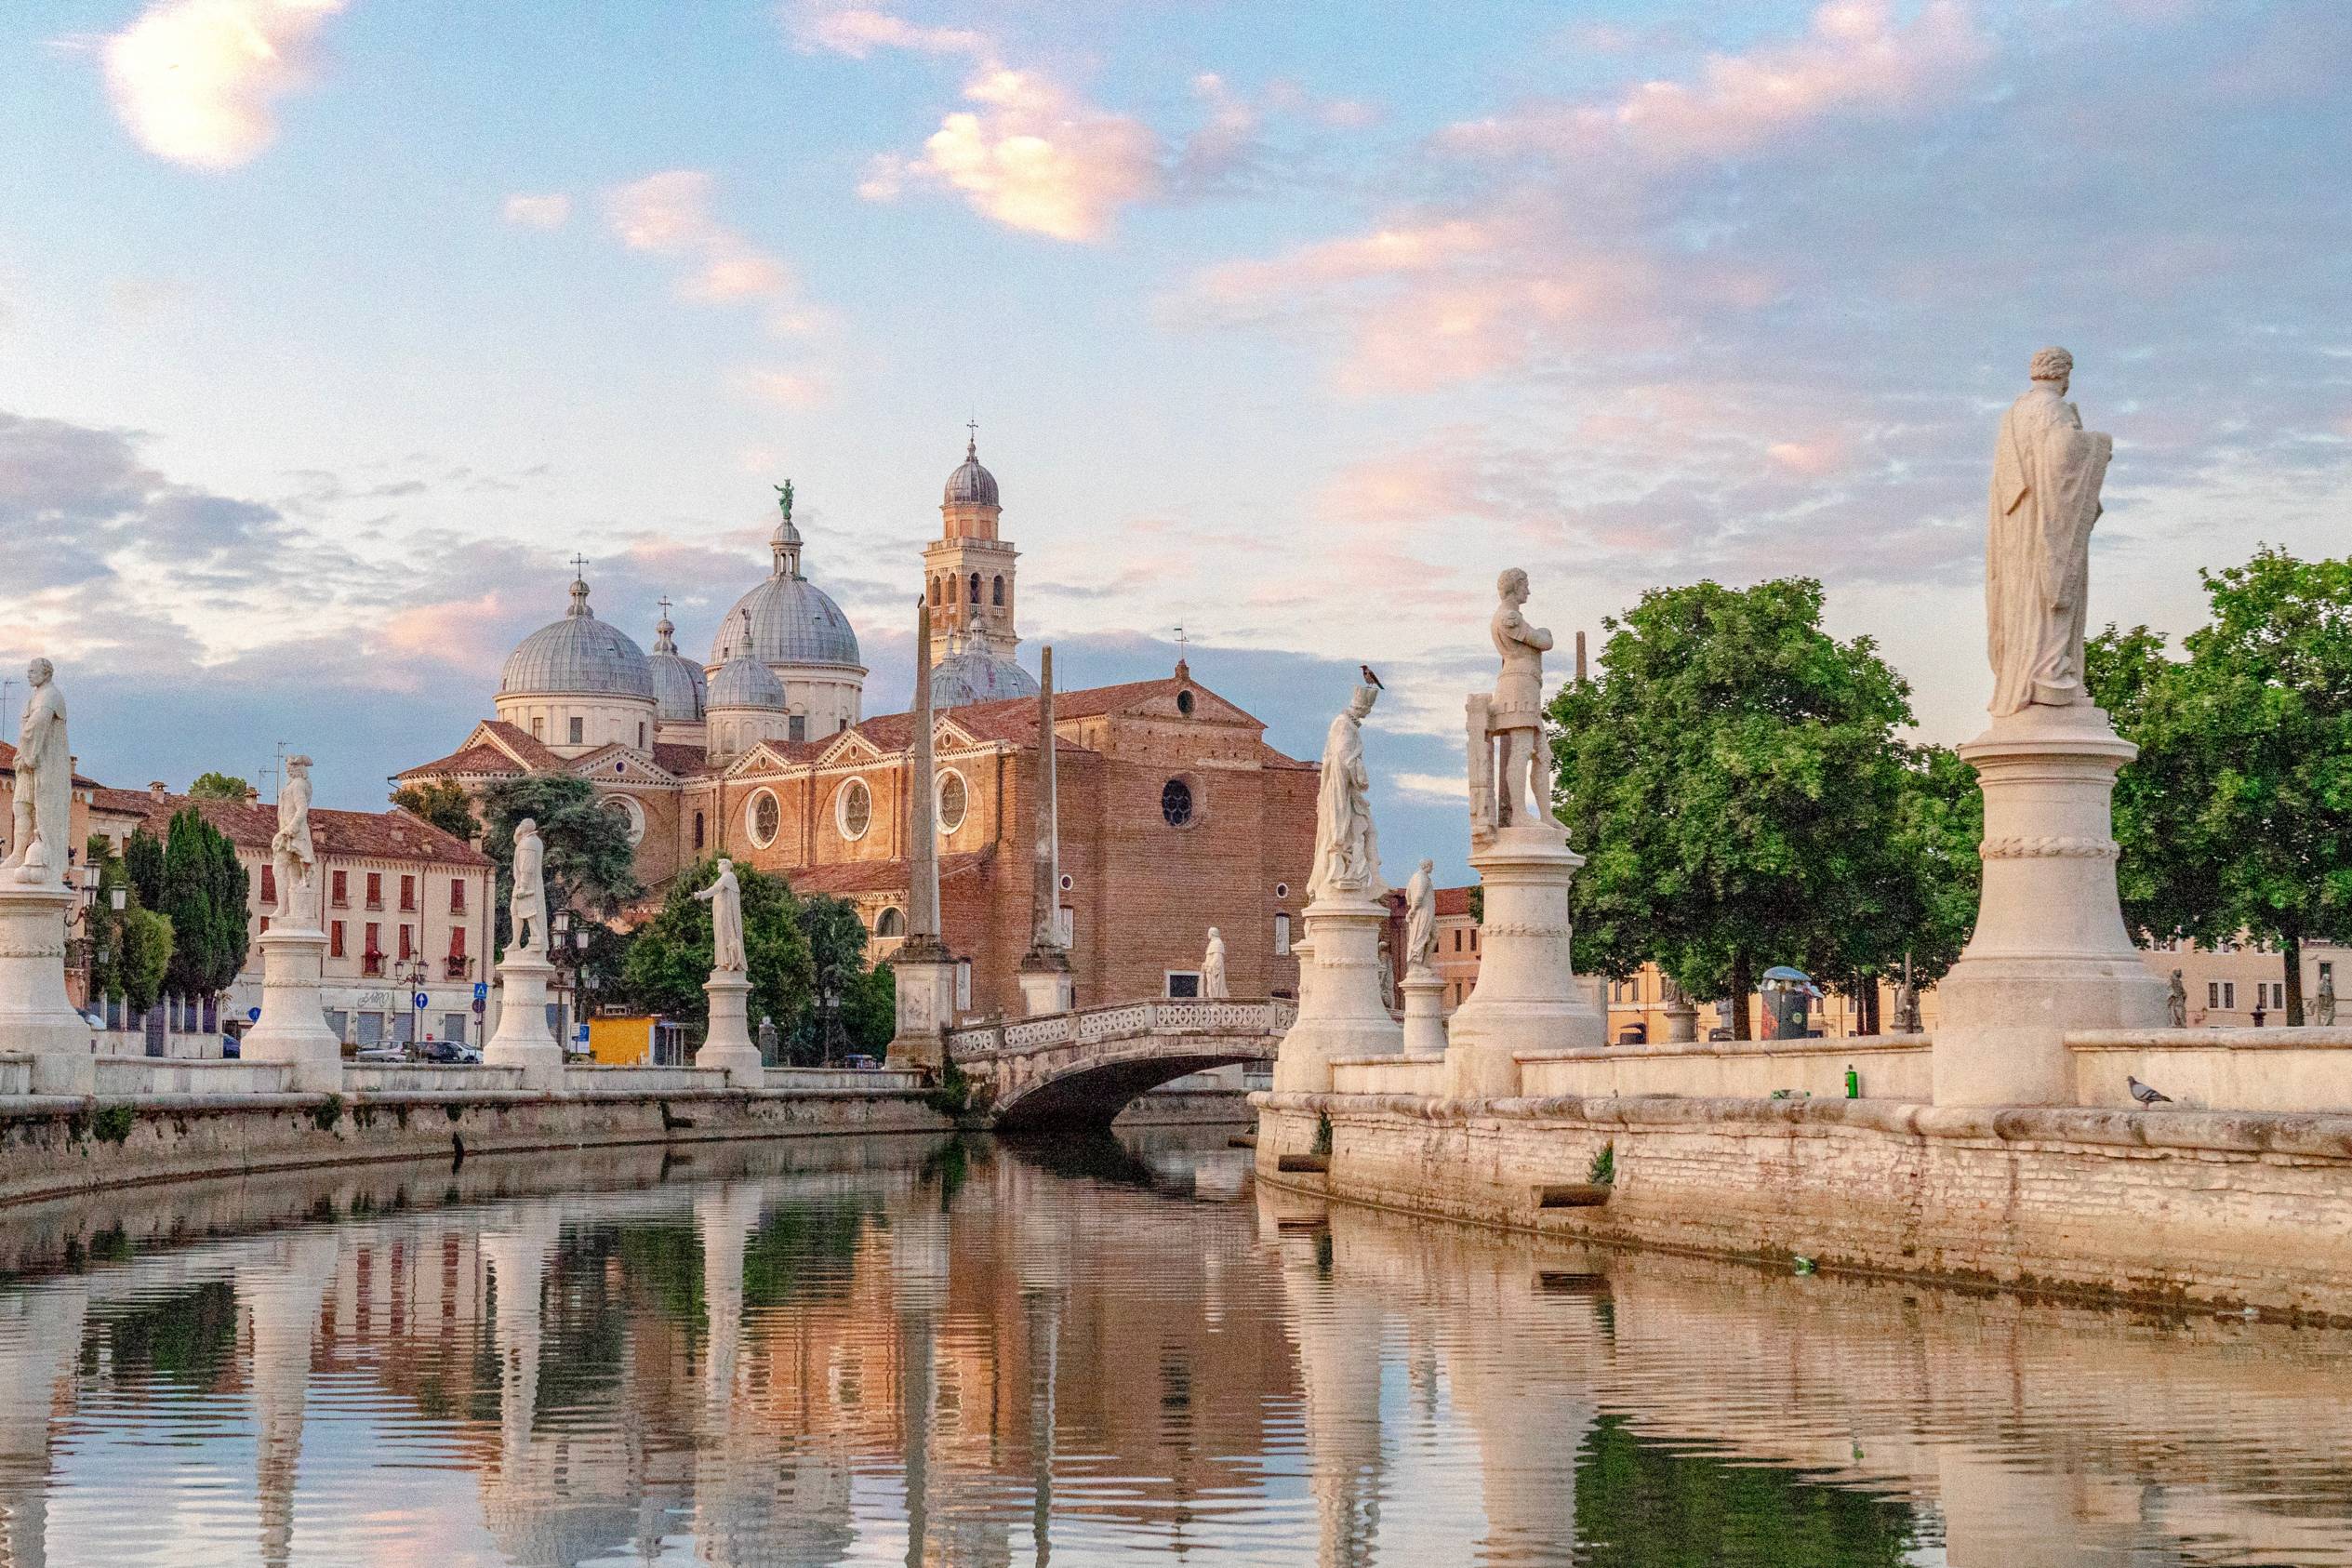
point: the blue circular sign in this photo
(421, 1001)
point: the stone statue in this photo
(1510, 766)
(293, 856)
(725, 899)
(784, 498)
(767, 1038)
(1420, 916)
(2047, 471)
(2176, 1000)
(1212, 968)
(1907, 1006)
(1346, 851)
(42, 833)
(527, 909)
(2323, 1005)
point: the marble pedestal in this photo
(1341, 1009)
(1527, 997)
(523, 1039)
(2049, 953)
(728, 1045)
(1682, 1021)
(924, 975)
(37, 1016)
(292, 1028)
(1424, 1013)
(1045, 983)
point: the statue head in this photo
(39, 671)
(1512, 586)
(727, 867)
(2053, 364)
(526, 828)
(1213, 935)
(1428, 866)
(298, 766)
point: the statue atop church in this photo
(2047, 471)
(784, 498)
(42, 838)
(1347, 850)
(1509, 761)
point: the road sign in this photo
(583, 1035)
(479, 1005)
(482, 991)
(421, 1002)
(253, 1014)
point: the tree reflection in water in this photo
(956, 1353)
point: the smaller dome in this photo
(970, 675)
(971, 485)
(744, 682)
(680, 687)
(579, 656)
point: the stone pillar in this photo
(2049, 953)
(1527, 997)
(728, 1045)
(1424, 1013)
(37, 1016)
(523, 1039)
(922, 968)
(1046, 986)
(1341, 1010)
(292, 1028)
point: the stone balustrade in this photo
(2248, 1070)
(1120, 1020)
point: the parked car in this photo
(449, 1052)
(862, 1064)
(230, 1049)
(379, 1055)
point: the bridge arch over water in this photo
(1081, 1068)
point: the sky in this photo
(330, 330)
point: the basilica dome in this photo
(973, 676)
(578, 656)
(970, 485)
(744, 682)
(679, 683)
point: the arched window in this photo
(976, 588)
(935, 593)
(698, 830)
(996, 594)
(890, 923)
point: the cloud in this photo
(668, 214)
(859, 31)
(196, 81)
(782, 389)
(538, 212)
(1032, 156)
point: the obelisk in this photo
(1045, 982)
(922, 967)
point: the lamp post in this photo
(86, 879)
(408, 974)
(571, 952)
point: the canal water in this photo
(917, 1350)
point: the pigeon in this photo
(1370, 679)
(2145, 1095)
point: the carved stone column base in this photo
(523, 1039)
(1424, 1013)
(292, 1028)
(924, 974)
(2049, 953)
(1046, 986)
(37, 1016)
(728, 1045)
(1341, 1009)
(1527, 997)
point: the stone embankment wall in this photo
(53, 1145)
(2183, 1206)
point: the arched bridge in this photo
(1083, 1067)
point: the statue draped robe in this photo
(2047, 471)
(1420, 919)
(529, 903)
(725, 899)
(1346, 859)
(44, 788)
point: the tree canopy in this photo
(1735, 777)
(2237, 816)
(669, 957)
(590, 864)
(202, 893)
(219, 787)
(130, 947)
(442, 804)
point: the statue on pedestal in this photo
(1347, 852)
(2323, 1005)
(526, 910)
(2047, 471)
(1510, 764)
(293, 856)
(1212, 968)
(725, 899)
(767, 1038)
(42, 838)
(2176, 1001)
(1420, 916)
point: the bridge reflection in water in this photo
(916, 1351)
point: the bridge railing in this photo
(1123, 1020)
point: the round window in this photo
(1175, 802)
(763, 819)
(1281, 890)
(854, 809)
(953, 799)
(1069, 882)
(1184, 703)
(632, 815)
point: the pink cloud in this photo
(669, 214)
(859, 31)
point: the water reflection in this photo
(914, 1350)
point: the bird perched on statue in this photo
(1370, 679)
(2145, 1095)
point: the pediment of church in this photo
(849, 748)
(761, 758)
(616, 764)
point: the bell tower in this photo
(968, 571)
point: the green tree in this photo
(669, 957)
(837, 949)
(591, 865)
(442, 804)
(203, 896)
(219, 787)
(143, 863)
(130, 947)
(1735, 778)
(869, 1011)
(2237, 816)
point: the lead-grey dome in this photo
(579, 656)
(970, 675)
(786, 620)
(744, 682)
(971, 485)
(679, 686)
